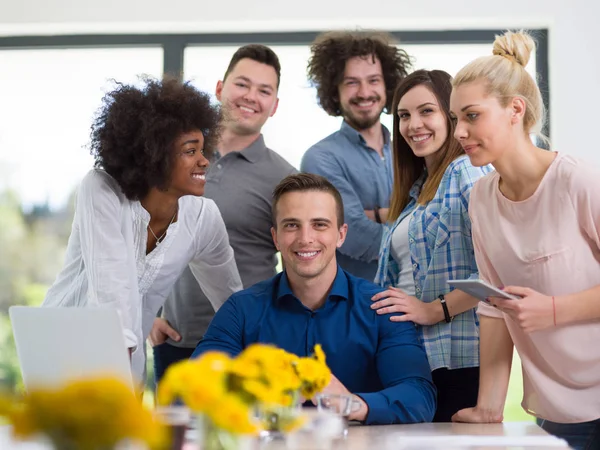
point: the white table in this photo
(424, 436)
(451, 436)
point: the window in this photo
(50, 87)
(299, 121)
(49, 98)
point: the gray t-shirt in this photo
(241, 184)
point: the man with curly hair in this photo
(240, 181)
(355, 74)
(140, 218)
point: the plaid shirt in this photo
(441, 249)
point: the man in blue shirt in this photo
(314, 301)
(355, 74)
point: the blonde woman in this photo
(428, 240)
(535, 225)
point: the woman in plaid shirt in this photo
(428, 238)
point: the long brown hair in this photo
(408, 167)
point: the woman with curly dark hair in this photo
(140, 218)
(355, 74)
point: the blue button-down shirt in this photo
(441, 249)
(381, 361)
(364, 180)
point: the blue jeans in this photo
(580, 436)
(167, 354)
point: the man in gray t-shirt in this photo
(240, 180)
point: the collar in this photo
(339, 288)
(415, 190)
(355, 135)
(254, 151)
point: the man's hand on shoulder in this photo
(161, 331)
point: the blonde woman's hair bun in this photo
(515, 46)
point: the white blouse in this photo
(400, 250)
(106, 263)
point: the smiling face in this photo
(189, 168)
(307, 233)
(484, 128)
(422, 123)
(248, 96)
(362, 92)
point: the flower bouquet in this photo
(87, 414)
(239, 397)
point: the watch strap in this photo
(447, 316)
(377, 216)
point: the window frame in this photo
(174, 45)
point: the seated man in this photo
(313, 301)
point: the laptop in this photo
(56, 345)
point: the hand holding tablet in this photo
(480, 289)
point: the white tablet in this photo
(480, 289)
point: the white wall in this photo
(574, 41)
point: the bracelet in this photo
(447, 316)
(554, 310)
(377, 216)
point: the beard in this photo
(361, 121)
(230, 121)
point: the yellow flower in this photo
(319, 354)
(213, 361)
(260, 391)
(22, 421)
(199, 383)
(285, 380)
(233, 415)
(89, 413)
(313, 372)
(227, 390)
(6, 404)
(245, 368)
(202, 397)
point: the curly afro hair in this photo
(135, 128)
(331, 50)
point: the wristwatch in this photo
(447, 316)
(376, 213)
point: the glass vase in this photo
(211, 437)
(277, 420)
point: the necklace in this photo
(160, 239)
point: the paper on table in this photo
(404, 441)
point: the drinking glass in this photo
(177, 419)
(340, 404)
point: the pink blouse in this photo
(549, 242)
